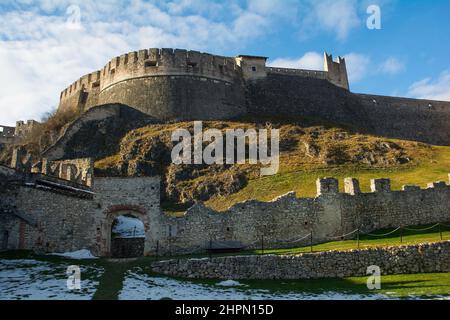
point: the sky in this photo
(45, 45)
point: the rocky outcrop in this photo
(97, 132)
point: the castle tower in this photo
(336, 71)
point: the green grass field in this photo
(303, 180)
(429, 285)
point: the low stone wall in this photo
(422, 258)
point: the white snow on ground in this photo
(80, 254)
(139, 286)
(128, 227)
(230, 283)
(27, 279)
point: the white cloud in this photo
(40, 55)
(435, 89)
(358, 66)
(310, 61)
(333, 16)
(392, 66)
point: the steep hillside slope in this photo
(307, 150)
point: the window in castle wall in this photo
(96, 84)
(192, 64)
(151, 63)
(254, 68)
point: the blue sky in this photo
(43, 48)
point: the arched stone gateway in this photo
(127, 236)
(131, 246)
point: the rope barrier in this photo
(303, 238)
(345, 235)
(354, 231)
(424, 229)
(381, 235)
(445, 225)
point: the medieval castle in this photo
(58, 204)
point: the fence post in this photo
(262, 245)
(440, 231)
(157, 248)
(311, 240)
(401, 235)
(357, 237)
(210, 247)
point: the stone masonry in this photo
(175, 85)
(422, 258)
(49, 214)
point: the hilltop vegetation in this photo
(307, 150)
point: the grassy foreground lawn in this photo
(424, 285)
(431, 285)
(408, 238)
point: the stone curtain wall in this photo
(48, 214)
(173, 85)
(80, 171)
(276, 223)
(385, 208)
(402, 118)
(45, 219)
(411, 119)
(422, 258)
(166, 84)
(281, 222)
(180, 97)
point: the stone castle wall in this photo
(404, 118)
(44, 213)
(421, 258)
(285, 220)
(174, 84)
(7, 136)
(52, 216)
(281, 94)
(164, 83)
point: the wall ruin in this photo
(45, 213)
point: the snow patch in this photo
(80, 254)
(28, 279)
(128, 227)
(140, 286)
(230, 283)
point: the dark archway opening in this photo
(127, 237)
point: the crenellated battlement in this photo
(167, 62)
(132, 79)
(330, 186)
(155, 62)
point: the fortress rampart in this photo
(165, 84)
(175, 85)
(35, 214)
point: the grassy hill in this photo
(308, 150)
